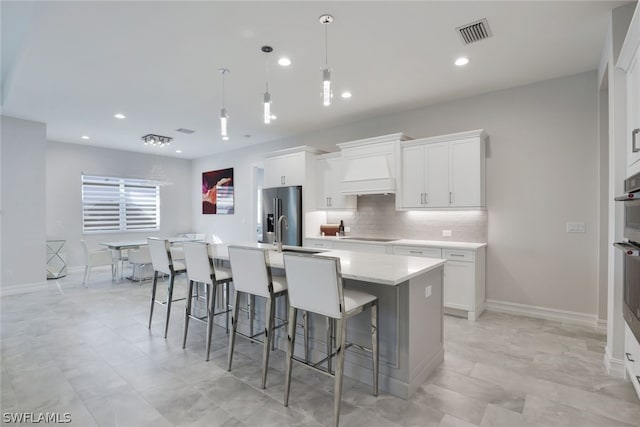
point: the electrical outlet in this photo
(446, 233)
(347, 229)
(427, 292)
(576, 227)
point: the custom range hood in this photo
(369, 165)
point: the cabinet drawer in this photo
(418, 251)
(458, 255)
(319, 244)
(632, 352)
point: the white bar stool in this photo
(315, 285)
(201, 269)
(251, 276)
(160, 251)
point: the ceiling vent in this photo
(186, 131)
(475, 31)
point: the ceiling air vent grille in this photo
(474, 32)
(186, 131)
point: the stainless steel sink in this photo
(302, 251)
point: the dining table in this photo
(118, 246)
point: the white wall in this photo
(67, 162)
(23, 246)
(542, 171)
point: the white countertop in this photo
(408, 242)
(376, 268)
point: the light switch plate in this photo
(347, 229)
(446, 233)
(576, 227)
(427, 292)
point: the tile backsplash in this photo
(377, 217)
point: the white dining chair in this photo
(139, 259)
(162, 262)
(315, 285)
(97, 258)
(201, 269)
(252, 277)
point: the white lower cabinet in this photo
(464, 285)
(343, 245)
(632, 358)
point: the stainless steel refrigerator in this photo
(285, 201)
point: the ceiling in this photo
(73, 65)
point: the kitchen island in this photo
(410, 298)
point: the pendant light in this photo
(223, 111)
(266, 100)
(326, 73)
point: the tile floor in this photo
(88, 352)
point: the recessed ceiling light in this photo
(178, 151)
(225, 138)
(119, 116)
(273, 117)
(284, 61)
(85, 137)
(346, 94)
(462, 61)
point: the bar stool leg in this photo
(252, 313)
(337, 398)
(187, 313)
(226, 303)
(153, 296)
(211, 308)
(305, 327)
(374, 345)
(169, 300)
(291, 339)
(268, 329)
(234, 327)
(329, 347)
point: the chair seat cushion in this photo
(223, 274)
(279, 284)
(354, 299)
(179, 266)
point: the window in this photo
(119, 204)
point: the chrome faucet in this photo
(278, 240)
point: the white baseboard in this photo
(564, 316)
(602, 325)
(615, 367)
(25, 288)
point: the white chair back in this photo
(199, 265)
(315, 284)
(249, 269)
(160, 255)
(140, 255)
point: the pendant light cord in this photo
(326, 46)
(266, 55)
(223, 73)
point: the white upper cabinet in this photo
(443, 172)
(629, 61)
(284, 170)
(329, 184)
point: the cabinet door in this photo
(337, 200)
(413, 177)
(633, 109)
(437, 175)
(458, 285)
(284, 170)
(465, 173)
(323, 183)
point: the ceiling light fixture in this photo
(119, 116)
(326, 73)
(178, 151)
(284, 61)
(223, 112)
(156, 140)
(266, 100)
(462, 61)
(84, 137)
(346, 94)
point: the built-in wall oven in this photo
(631, 250)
